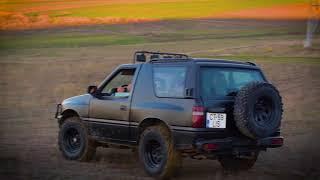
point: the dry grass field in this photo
(35, 14)
(39, 68)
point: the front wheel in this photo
(233, 163)
(157, 153)
(74, 141)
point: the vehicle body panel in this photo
(109, 116)
(145, 104)
(79, 104)
(112, 108)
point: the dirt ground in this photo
(32, 81)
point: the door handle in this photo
(123, 108)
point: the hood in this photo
(78, 100)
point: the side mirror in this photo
(92, 89)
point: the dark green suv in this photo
(168, 105)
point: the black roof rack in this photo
(251, 63)
(142, 56)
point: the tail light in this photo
(277, 141)
(210, 147)
(197, 116)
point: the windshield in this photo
(217, 82)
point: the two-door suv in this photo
(168, 106)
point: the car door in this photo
(109, 109)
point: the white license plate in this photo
(216, 120)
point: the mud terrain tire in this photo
(157, 153)
(74, 142)
(258, 110)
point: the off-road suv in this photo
(168, 105)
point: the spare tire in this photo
(258, 110)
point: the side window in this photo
(169, 81)
(242, 78)
(217, 82)
(120, 85)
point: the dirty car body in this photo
(171, 92)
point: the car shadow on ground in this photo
(191, 168)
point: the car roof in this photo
(208, 61)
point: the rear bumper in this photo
(208, 140)
(244, 144)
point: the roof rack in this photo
(142, 56)
(251, 63)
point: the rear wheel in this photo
(233, 163)
(74, 141)
(157, 153)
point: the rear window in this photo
(169, 81)
(215, 82)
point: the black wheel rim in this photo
(263, 110)
(154, 153)
(72, 140)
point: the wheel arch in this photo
(147, 122)
(66, 114)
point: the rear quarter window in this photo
(169, 81)
(218, 82)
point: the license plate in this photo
(216, 120)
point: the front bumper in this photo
(58, 111)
